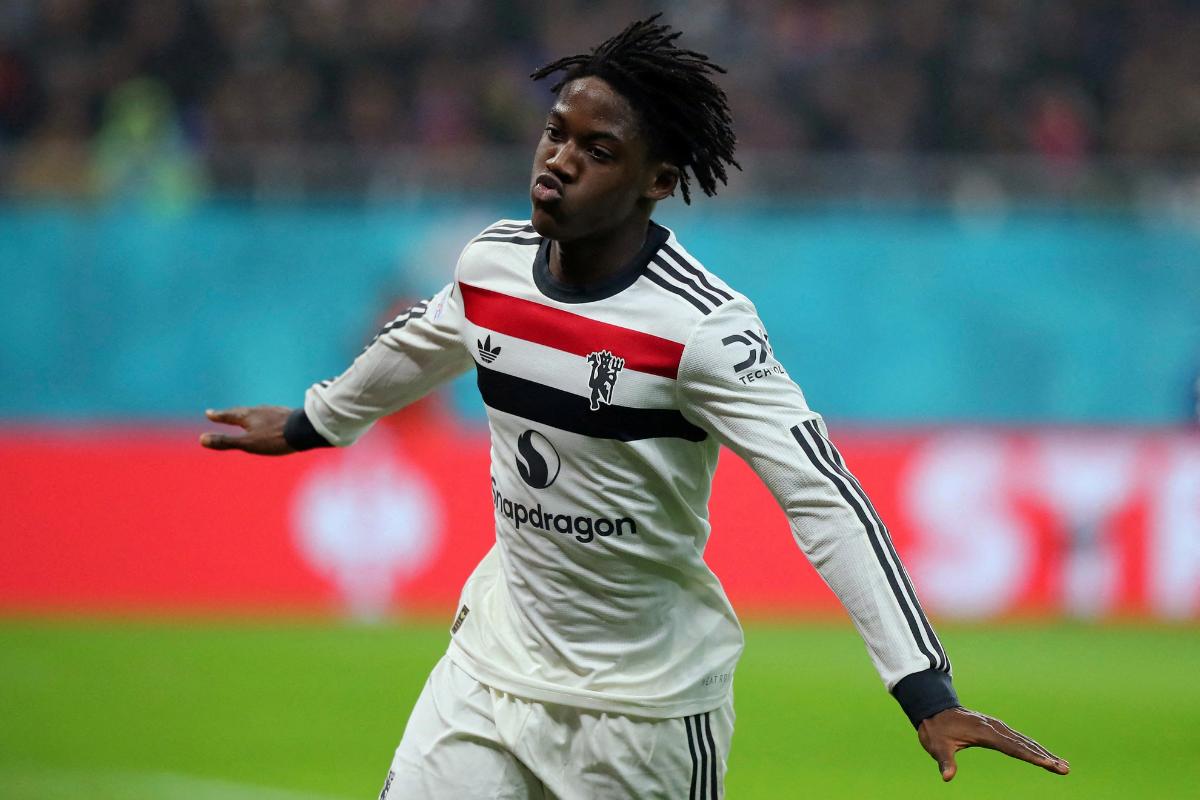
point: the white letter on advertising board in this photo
(1087, 479)
(972, 554)
(1174, 569)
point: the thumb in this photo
(948, 766)
(218, 441)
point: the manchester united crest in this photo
(605, 368)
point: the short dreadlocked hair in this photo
(684, 114)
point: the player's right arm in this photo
(414, 353)
(731, 384)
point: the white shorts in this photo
(465, 741)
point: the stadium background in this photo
(972, 229)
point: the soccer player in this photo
(593, 652)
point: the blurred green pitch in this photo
(312, 711)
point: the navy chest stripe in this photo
(570, 412)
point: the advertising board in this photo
(1086, 523)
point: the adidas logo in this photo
(486, 351)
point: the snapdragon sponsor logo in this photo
(585, 529)
(537, 460)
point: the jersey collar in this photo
(656, 237)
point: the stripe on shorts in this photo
(687, 724)
(712, 747)
(703, 750)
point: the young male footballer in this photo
(593, 652)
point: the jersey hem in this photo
(592, 701)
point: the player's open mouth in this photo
(547, 189)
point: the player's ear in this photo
(664, 178)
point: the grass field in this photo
(312, 711)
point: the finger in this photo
(1004, 728)
(1031, 751)
(994, 734)
(219, 441)
(1050, 761)
(229, 416)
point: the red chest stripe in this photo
(571, 333)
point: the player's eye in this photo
(600, 154)
(553, 133)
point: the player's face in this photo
(592, 169)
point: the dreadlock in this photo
(685, 115)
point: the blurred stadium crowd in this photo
(92, 91)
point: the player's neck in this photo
(593, 260)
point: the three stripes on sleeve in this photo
(826, 459)
(689, 283)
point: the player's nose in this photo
(561, 162)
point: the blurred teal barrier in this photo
(888, 316)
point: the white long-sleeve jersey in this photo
(607, 407)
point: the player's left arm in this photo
(731, 384)
(413, 354)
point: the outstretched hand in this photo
(954, 729)
(263, 426)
